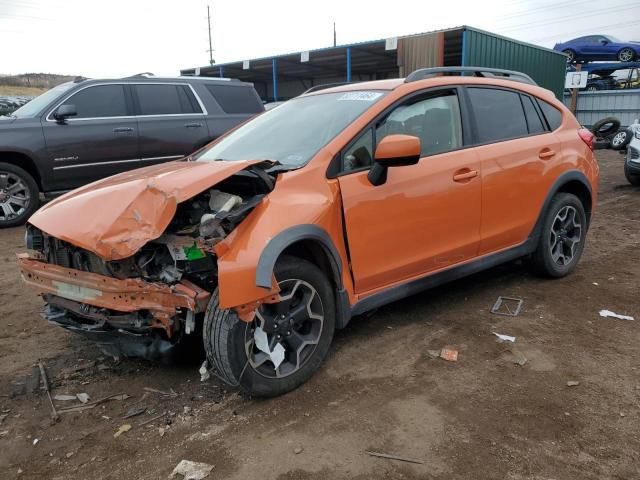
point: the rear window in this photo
(551, 113)
(233, 99)
(498, 114)
(166, 100)
(533, 119)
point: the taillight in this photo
(587, 137)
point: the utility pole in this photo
(574, 93)
(334, 34)
(211, 61)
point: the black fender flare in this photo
(291, 235)
(562, 180)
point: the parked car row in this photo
(334, 203)
(599, 47)
(82, 131)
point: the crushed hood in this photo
(116, 216)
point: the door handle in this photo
(546, 154)
(193, 125)
(122, 129)
(464, 174)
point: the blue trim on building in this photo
(348, 64)
(221, 71)
(464, 48)
(274, 71)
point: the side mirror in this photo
(65, 111)
(393, 151)
(604, 41)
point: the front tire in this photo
(264, 362)
(19, 195)
(632, 178)
(562, 238)
(571, 55)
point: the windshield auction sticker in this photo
(362, 96)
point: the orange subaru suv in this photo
(341, 200)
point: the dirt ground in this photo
(482, 417)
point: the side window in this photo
(99, 102)
(498, 114)
(434, 120)
(235, 99)
(360, 153)
(533, 119)
(165, 100)
(551, 113)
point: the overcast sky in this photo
(102, 38)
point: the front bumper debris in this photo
(129, 295)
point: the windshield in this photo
(295, 131)
(35, 106)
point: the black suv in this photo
(85, 130)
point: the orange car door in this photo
(425, 217)
(516, 154)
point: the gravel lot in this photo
(483, 416)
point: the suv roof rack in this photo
(143, 75)
(475, 71)
(324, 86)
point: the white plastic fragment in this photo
(262, 342)
(204, 371)
(609, 313)
(192, 470)
(83, 397)
(505, 338)
(64, 398)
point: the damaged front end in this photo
(143, 304)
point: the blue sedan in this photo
(599, 47)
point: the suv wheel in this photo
(562, 238)
(632, 178)
(287, 341)
(19, 195)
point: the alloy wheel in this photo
(284, 335)
(14, 196)
(619, 138)
(566, 234)
(625, 55)
(570, 56)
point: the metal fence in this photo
(593, 106)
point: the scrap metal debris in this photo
(609, 313)
(170, 393)
(134, 412)
(507, 306)
(83, 397)
(45, 384)
(573, 383)
(505, 338)
(64, 398)
(85, 406)
(394, 457)
(192, 470)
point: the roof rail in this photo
(325, 86)
(142, 75)
(475, 71)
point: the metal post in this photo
(348, 64)
(274, 70)
(574, 93)
(463, 60)
(221, 71)
(211, 61)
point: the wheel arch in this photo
(574, 182)
(313, 244)
(24, 162)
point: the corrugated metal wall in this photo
(420, 51)
(593, 106)
(546, 67)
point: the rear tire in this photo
(230, 343)
(562, 237)
(19, 195)
(632, 178)
(626, 55)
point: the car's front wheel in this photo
(571, 55)
(19, 195)
(562, 237)
(286, 342)
(626, 55)
(632, 178)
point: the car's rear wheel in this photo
(19, 195)
(632, 178)
(562, 237)
(626, 54)
(571, 55)
(286, 342)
